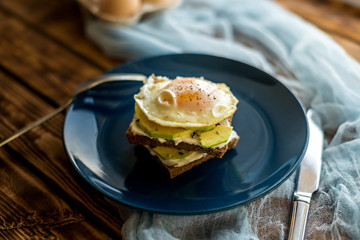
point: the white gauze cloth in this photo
(322, 75)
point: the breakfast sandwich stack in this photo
(183, 122)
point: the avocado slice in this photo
(155, 130)
(218, 135)
(203, 129)
(171, 153)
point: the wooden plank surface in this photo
(30, 208)
(42, 152)
(333, 16)
(339, 20)
(38, 74)
(62, 21)
(44, 66)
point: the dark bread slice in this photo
(145, 140)
(176, 171)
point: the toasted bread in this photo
(138, 139)
(176, 171)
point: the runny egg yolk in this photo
(192, 94)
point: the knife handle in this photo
(298, 219)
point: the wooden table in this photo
(44, 54)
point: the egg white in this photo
(160, 104)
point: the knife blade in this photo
(307, 180)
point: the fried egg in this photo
(185, 101)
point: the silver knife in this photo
(307, 181)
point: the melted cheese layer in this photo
(178, 162)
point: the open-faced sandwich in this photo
(183, 122)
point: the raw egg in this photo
(120, 8)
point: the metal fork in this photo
(82, 87)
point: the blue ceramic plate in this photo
(270, 122)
